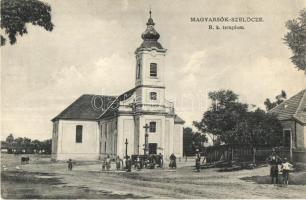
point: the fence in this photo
(241, 153)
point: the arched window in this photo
(153, 95)
(79, 134)
(153, 70)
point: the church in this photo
(138, 121)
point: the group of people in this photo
(275, 161)
(126, 164)
(152, 161)
(139, 163)
(121, 164)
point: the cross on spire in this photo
(150, 12)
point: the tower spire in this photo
(150, 36)
(150, 20)
(150, 12)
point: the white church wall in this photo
(157, 137)
(145, 60)
(178, 140)
(67, 146)
(143, 97)
(125, 131)
(108, 138)
(168, 138)
(54, 140)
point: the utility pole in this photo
(146, 127)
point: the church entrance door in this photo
(152, 148)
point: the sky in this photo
(91, 51)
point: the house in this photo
(292, 114)
(95, 126)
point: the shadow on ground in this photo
(294, 179)
(29, 185)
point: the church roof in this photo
(178, 120)
(292, 109)
(149, 44)
(86, 107)
(112, 110)
(95, 107)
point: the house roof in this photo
(86, 107)
(292, 108)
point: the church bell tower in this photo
(150, 69)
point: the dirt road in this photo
(88, 181)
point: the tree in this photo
(10, 138)
(27, 144)
(259, 128)
(47, 146)
(296, 40)
(279, 99)
(18, 144)
(192, 140)
(187, 141)
(222, 117)
(36, 146)
(15, 14)
(234, 124)
(198, 140)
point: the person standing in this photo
(173, 161)
(286, 166)
(274, 160)
(124, 163)
(103, 165)
(128, 164)
(70, 164)
(138, 163)
(204, 160)
(198, 159)
(161, 160)
(118, 163)
(108, 163)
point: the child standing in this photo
(69, 164)
(286, 166)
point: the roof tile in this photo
(86, 107)
(294, 107)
